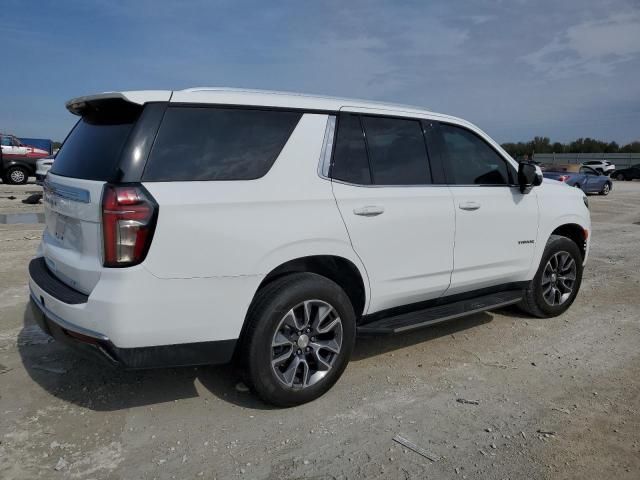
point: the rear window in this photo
(206, 143)
(92, 149)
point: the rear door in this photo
(496, 225)
(401, 225)
(89, 158)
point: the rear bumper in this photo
(46, 289)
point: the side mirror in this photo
(529, 176)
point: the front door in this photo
(592, 180)
(496, 225)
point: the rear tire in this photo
(298, 340)
(16, 176)
(557, 281)
(620, 176)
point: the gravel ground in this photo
(557, 398)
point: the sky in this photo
(516, 68)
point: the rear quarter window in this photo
(211, 143)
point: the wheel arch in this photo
(343, 271)
(575, 233)
(18, 163)
(336, 268)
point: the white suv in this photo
(601, 166)
(205, 225)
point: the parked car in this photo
(586, 178)
(214, 224)
(601, 166)
(18, 160)
(629, 173)
(42, 168)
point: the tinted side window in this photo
(469, 160)
(350, 163)
(218, 143)
(397, 151)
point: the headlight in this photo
(585, 200)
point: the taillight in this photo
(128, 220)
(563, 178)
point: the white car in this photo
(272, 228)
(601, 166)
(42, 168)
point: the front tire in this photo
(16, 176)
(620, 176)
(299, 338)
(557, 281)
(606, 189)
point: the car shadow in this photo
(65, 374)
(88, 383)
(370, 346)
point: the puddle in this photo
(15, 218)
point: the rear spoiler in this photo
(79, 105)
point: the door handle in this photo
(469, 206)
(369, 211)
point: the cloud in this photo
(372, 51)
(594, 47)
(465, 58)
(480, 19)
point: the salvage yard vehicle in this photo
(272, 228)
(601, 166)
(629, 173)
(585, 178)
(18, 161)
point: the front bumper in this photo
(99, 346)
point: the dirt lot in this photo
(557, 398)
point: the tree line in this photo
(581, 145)
(544, 145)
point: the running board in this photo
(441, 313)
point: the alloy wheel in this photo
(17, 176)
(306, 344)
(559, 278)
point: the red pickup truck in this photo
(17, 160)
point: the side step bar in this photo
(440, 313)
